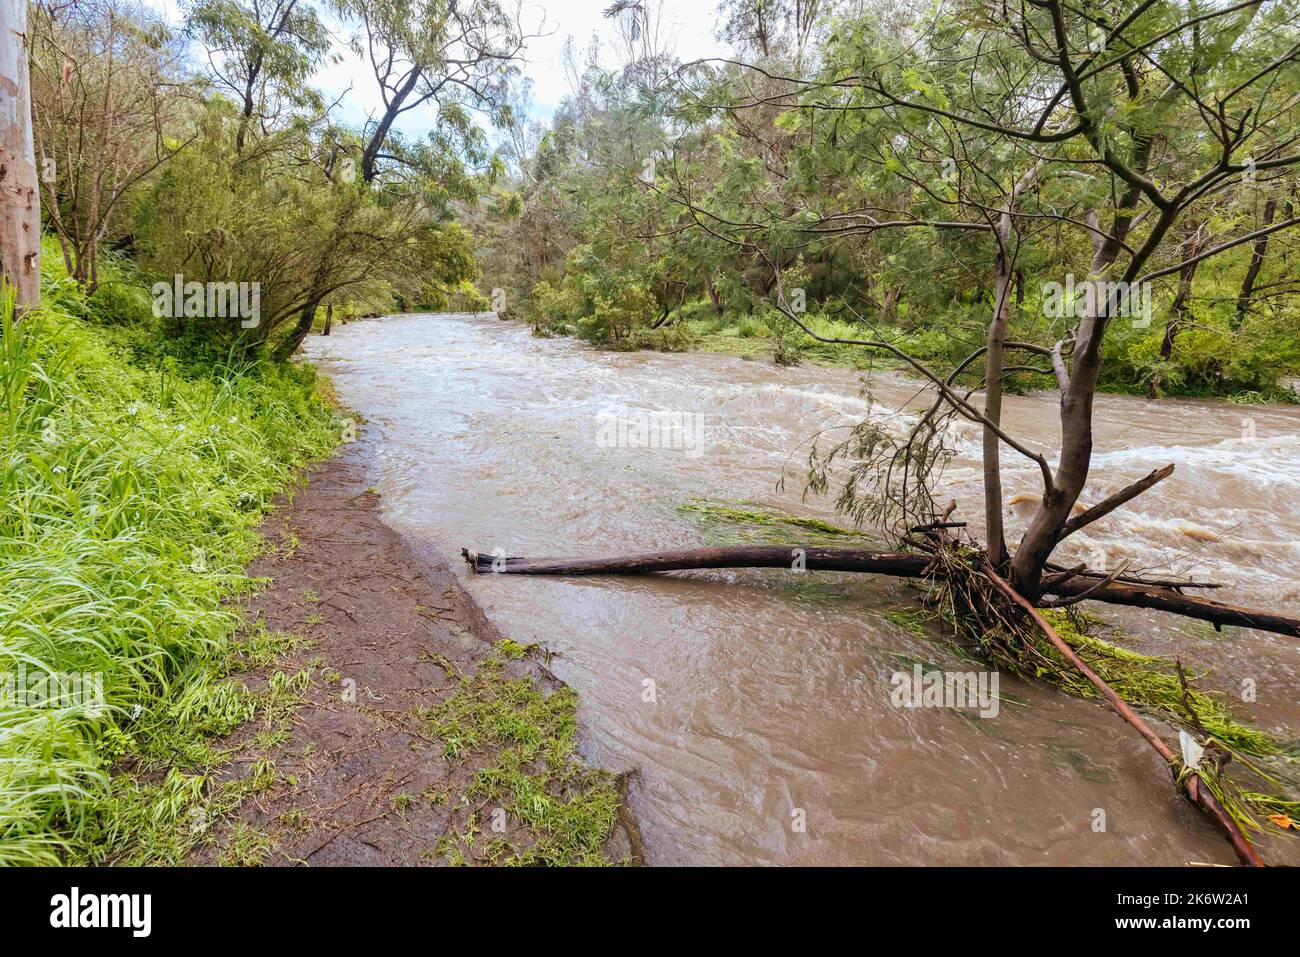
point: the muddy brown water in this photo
(758, 704)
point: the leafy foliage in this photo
(858, 156)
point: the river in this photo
(758, 704)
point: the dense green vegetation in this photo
(848, 164)
(205, 155)
(863, 182)
(135, 474)
(857, 154)
(204, 208)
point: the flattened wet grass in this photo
(742, 521)
(531, 773)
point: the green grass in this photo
(132, 482)
(525, 742)
(748, 522)
(166, 795)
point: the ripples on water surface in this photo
(773, 689)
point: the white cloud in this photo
(688, 31)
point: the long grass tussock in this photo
(132, 476)
(525, 742)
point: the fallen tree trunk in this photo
(1162, 598)
(897, 564)
(910, 565)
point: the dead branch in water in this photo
(1084, 596)
(1164, 598)
(1158, 597)
(899, 564)
(1196, 790)
(1060, 573)
(1112, 502)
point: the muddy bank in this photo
(422, 735)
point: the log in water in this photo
(899, 564)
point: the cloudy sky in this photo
(690, 24)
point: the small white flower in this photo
(132, 409)
(59, 470)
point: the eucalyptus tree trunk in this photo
(20, 205)
(1258, 250)
(1076, 437)
(993, 367)
(370, 156)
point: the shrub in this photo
(787, 338)
(614, 317)
(672, 338)
(550, 308)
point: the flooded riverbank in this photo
(757, 704)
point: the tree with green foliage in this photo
(964, 162)
(456, 56)
(261, 54)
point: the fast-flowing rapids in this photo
(758, 704)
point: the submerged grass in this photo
(132, 481)
(525, 742)
(748, 521)
(1151, 684)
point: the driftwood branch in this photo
(1084, 596)
(1199, 794)
(898, 564)
(1112, 502)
